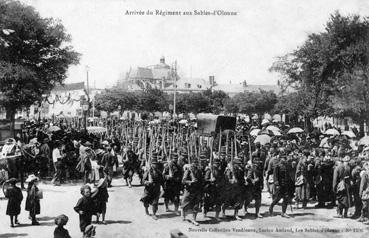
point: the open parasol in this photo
(263, 139)
(349, 134)
(96, 130)
(254, 132)
(53, 129)
(332, 132)
(295, 130)
(364, 141)
(273, 128)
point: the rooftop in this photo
(239, 88)
(69, 87)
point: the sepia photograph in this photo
(184, 118)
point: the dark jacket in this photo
(15, 197)
(60, 232)
(32, 201)
(281, 175)
(341, 172)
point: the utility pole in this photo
(87, 112)
(93, 100)
(88, 84)
(175, 87)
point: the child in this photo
(100, 197)
(59, 231)
(85, 208)
(15, 197)
(33, 199)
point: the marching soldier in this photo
(192, 180)
(172, 183)
(273, 162)
(356, 179)
(253, 187)
(283, 185)
(214, 188)
(129, 161)
(364, 193)
(153, 180)
(302, 185)
(108, 161)
(234, 175)
(341, 186)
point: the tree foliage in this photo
(156, 100)
(328, 70)
(34, 55)
(252, 102)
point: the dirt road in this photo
(126, 218)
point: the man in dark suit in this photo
(341, 186)
(283, 185)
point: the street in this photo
(126, 218)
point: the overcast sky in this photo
(232, 48)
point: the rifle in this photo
(188, 149)
(227, 142)
(220, 141)
(250, 152)
(211, 162)
(235, 144)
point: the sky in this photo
(232, 48)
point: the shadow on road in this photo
(301, 214)
(46, 218)
(108, 222)
(51, 190)
(167, 215)
(209, 222)
(50, 223)
(8, 235)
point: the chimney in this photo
(162, 60)
(211, 81)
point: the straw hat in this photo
(31, 178)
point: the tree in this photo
(291, 105)
(230, 106)
(255, 102)
(193, 102)
(109, 100)
(34, 56)
(152, 100)
(322, 67)
(217, 98)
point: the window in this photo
(187, 85)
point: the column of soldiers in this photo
(183, 169)
(207, 174)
